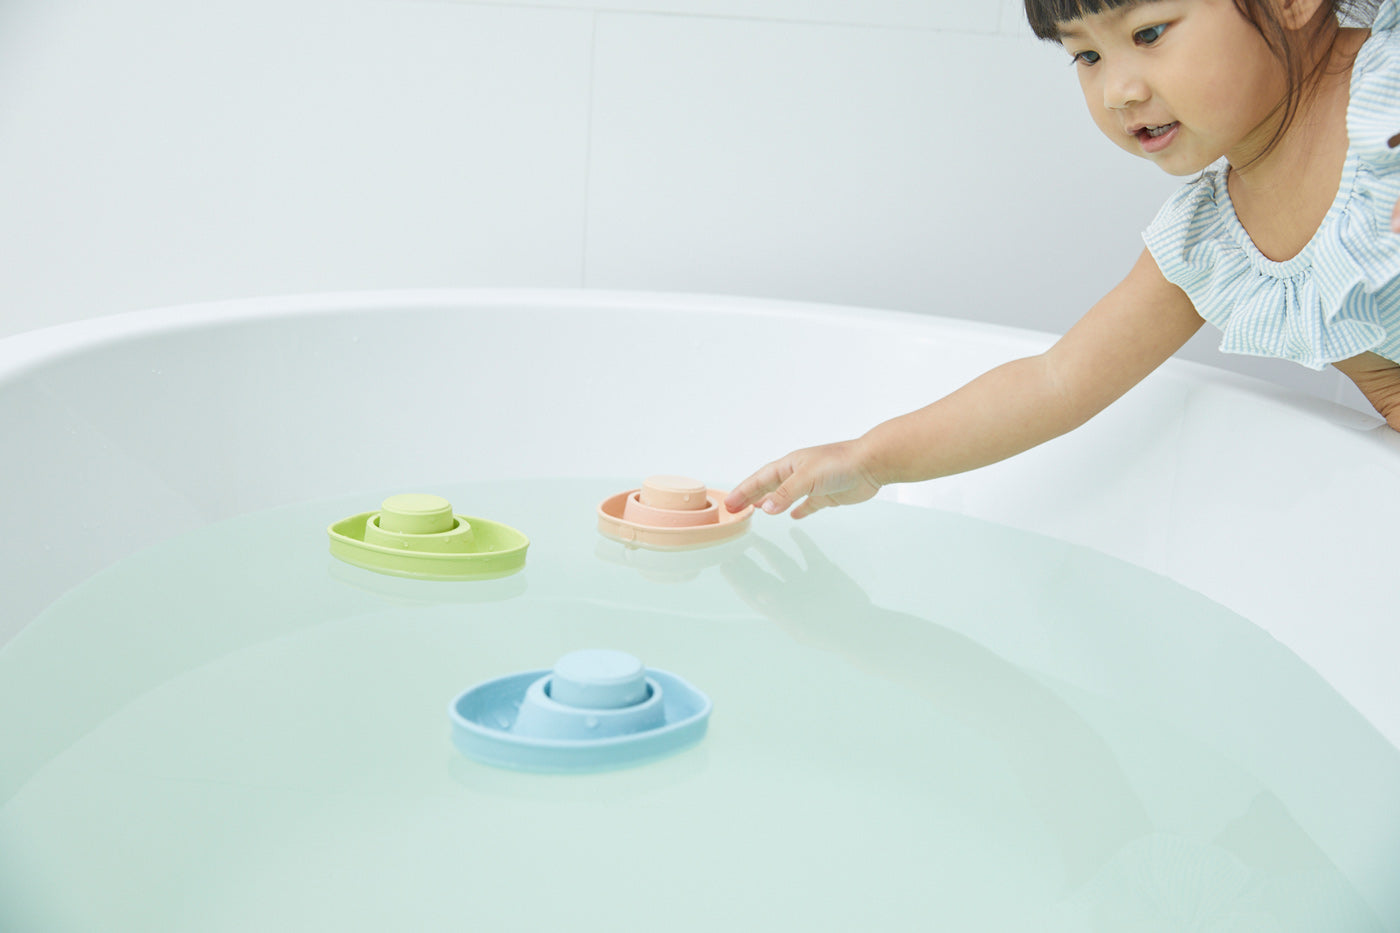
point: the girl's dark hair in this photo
(1047, 16)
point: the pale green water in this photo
(921, 722)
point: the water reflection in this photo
(920, 721)
(1123, 869)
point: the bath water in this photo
(921, 721)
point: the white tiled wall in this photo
(159, 151)
(909, 169)
(966, 16)
(910, 154)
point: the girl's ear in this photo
(1295, 14)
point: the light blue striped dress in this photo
(1340, 295)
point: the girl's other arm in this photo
(1395, 214)
(1125, 336)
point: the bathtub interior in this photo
(140, 426)
(141, 429)
(902, 728)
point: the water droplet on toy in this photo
(591, 722)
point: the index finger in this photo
(755, 487)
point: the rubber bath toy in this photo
(597, 710)
(417, 535)
(671, 512)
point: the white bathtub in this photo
(122, 432)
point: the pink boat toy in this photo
(671, 512)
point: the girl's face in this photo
(1178, 82)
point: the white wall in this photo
(892, 153)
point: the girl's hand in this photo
(832, 474)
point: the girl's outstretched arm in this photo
(1012, 408)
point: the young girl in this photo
(1268, 103)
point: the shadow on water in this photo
(1125, 866)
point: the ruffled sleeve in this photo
(1373, 168)
(1340, 295)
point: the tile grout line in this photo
(603, 9)
(591, 113)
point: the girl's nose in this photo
(1123, 87)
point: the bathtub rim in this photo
(26, 351)
(26, 354)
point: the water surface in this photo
(922, 721)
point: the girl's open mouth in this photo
(1157, 138)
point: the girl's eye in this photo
(1149, 35)
(1084, 58)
